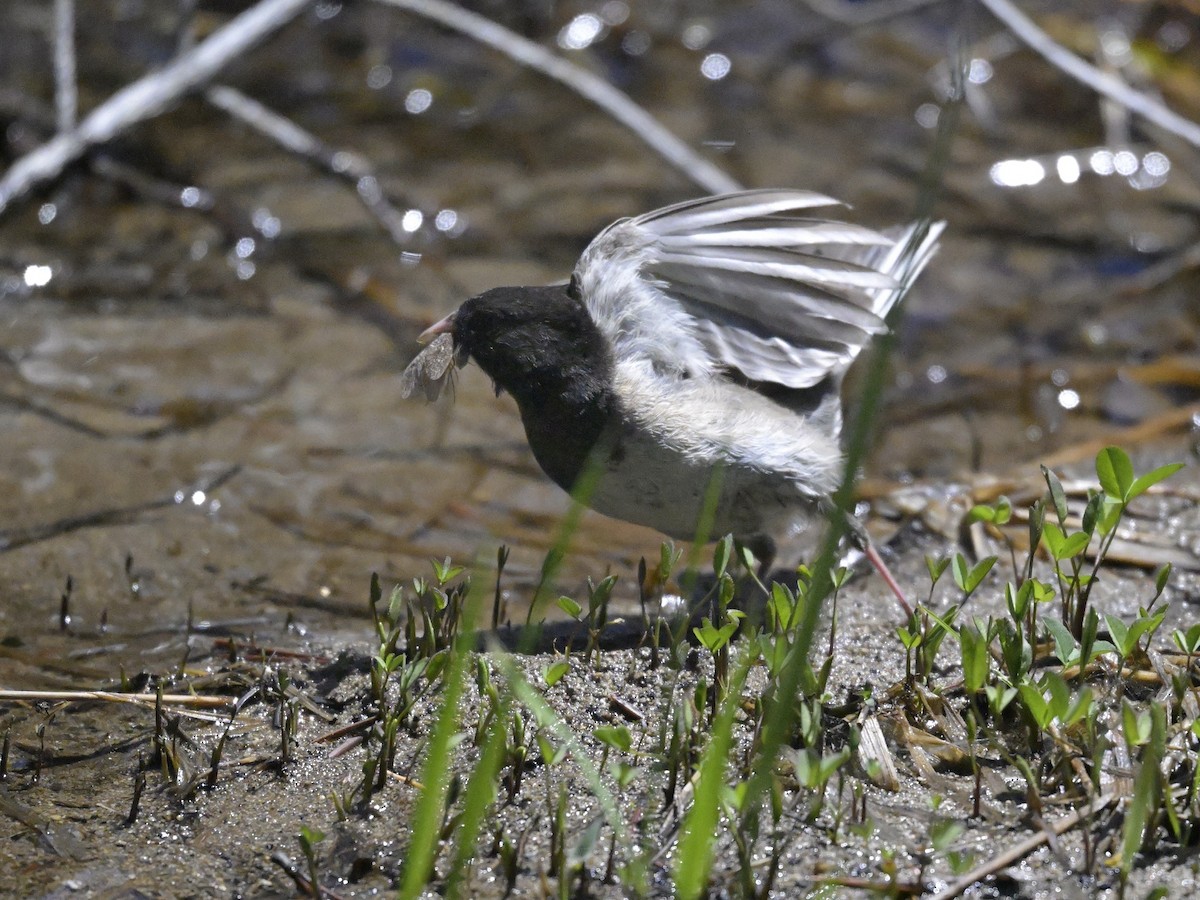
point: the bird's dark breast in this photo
(563, 437)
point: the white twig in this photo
(580, 80)
(149, 95)
(1101, 82)
(199, 700)
(66, 98)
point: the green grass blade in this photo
(695, 858)
(480, 792)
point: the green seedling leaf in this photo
(551, 755)
(998, 513)
(1057, 694)
(1136, 725)
(1058, 496)
(722, 554)
(1078, 708)
(968, 577)
(1065, 645)
(445, 571)
(1161, 579)
(981, 512)
(1188, 641)
(570, 606)
(1142, 484)
(944, 832)
(1037, 521)
(555, 672)
(999, 696)
(1003, 510)
(625, 774)
(936, 567)
(1115, 472)
(618, 737)
(714, 638)
(975, 659)
(783, 606)
(586, 844)
(745, 557)
(1147, 790)
(1032, 697)
(1016, 654)
(1018, 599)
(1062, 546)
(1091, 512)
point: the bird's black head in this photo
(538, 343)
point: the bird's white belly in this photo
(658, 486)
(697, 452)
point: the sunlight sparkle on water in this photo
(417, 101)
(1068, 169)
(928, 114)
(1102, 162)
(1068, 398)
(1125, 162)
(696, 36)
(46, 213)
(715, 66)
(580, 32)
(412, 220)
(380, 76)
(1156, 164)
(980, 71)
(1017, 172)
(37, 276)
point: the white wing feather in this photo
(731, 282)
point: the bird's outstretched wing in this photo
(739, 281)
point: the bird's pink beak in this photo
(442, 327)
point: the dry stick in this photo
(66, 97)
(1027, 846)
(1101, 82)
(580, 80)
(343, 163)
(197, 700)
(148, 96)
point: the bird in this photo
(689, 372)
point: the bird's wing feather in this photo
(734, 282)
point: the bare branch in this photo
(1101, 82)
(148, 96)
(580, 80)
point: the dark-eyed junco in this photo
(690, 370)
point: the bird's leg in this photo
(881, 567)
(857, 533)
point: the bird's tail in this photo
(913, 247)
